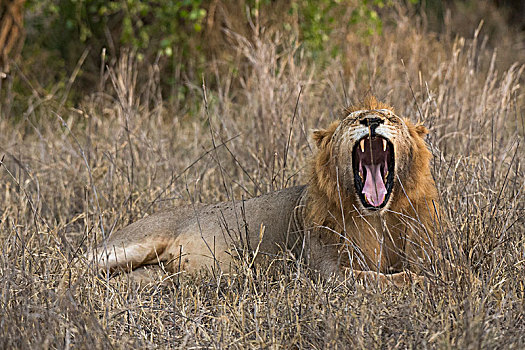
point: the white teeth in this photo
(384, 145)
(362, 145)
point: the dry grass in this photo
(71, 176)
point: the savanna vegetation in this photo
(113, 110)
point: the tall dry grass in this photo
(71, 176)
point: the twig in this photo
(91, 182)
(176, 177)
(285, 156)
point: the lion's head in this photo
(372, 160)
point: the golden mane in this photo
(331, 208)
(370, 102)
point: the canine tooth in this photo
(384, 145)
(362, 145)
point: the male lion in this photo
(367, 212)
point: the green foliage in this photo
(157, 27)
(173, 22)
(60, 30)
(318, 19)
(154, 26)
(366, 16)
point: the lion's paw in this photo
(405, 278)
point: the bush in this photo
(176, 31)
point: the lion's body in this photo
(336, 222)
(192, 237)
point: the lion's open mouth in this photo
(373, 165)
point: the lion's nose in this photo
(372, 123)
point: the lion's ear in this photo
(319, 136)
(323, 136)
(421, 130)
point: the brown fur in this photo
(323, 221)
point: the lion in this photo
(367, 213)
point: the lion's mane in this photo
(334, 211)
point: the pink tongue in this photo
(374, 188)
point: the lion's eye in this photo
(394, 120)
